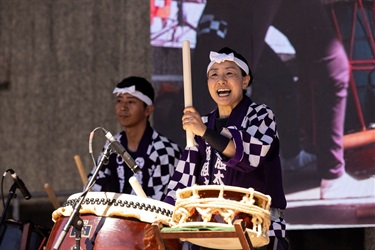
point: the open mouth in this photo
(223, 92)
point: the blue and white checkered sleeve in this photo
(165, 156)
(184, 174)
(254, 139)
(277, 228)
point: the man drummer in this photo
(237, 144)
(155, 154)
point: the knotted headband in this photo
(219, 58)
(131, 90)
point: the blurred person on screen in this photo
(323, 69)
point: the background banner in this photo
(313, 64)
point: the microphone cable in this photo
(91, 138)
(2, 185)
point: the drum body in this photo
(218, 206)
(113, 221)
(16, 235)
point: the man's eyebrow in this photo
(128, 97)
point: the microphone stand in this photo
(12, 193)
(75, 219)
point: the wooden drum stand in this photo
(238, 232)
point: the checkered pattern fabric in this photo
(260, 127)
(277, 228)
(157, 162)
(253, 129)
(208, 24)
(164, 154)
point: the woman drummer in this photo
(236, 144)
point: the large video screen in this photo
(313, 64)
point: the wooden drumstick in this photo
(81, 169)
(137, 187)
(51, 196)
(188, 93)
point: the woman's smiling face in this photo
(226, 85)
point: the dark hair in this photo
(227, 51)
(140, 83)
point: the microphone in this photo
(119, 149)
(20, 184)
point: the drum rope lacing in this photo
(207, 207)
(228, 209)
(121, 203)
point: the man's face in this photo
(131, 111)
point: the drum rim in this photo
(224, 188)
(137, 207)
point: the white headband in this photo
(219, 58)
(131, 90)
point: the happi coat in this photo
(156, 156)
(256, 163)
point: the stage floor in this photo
(305, 209)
